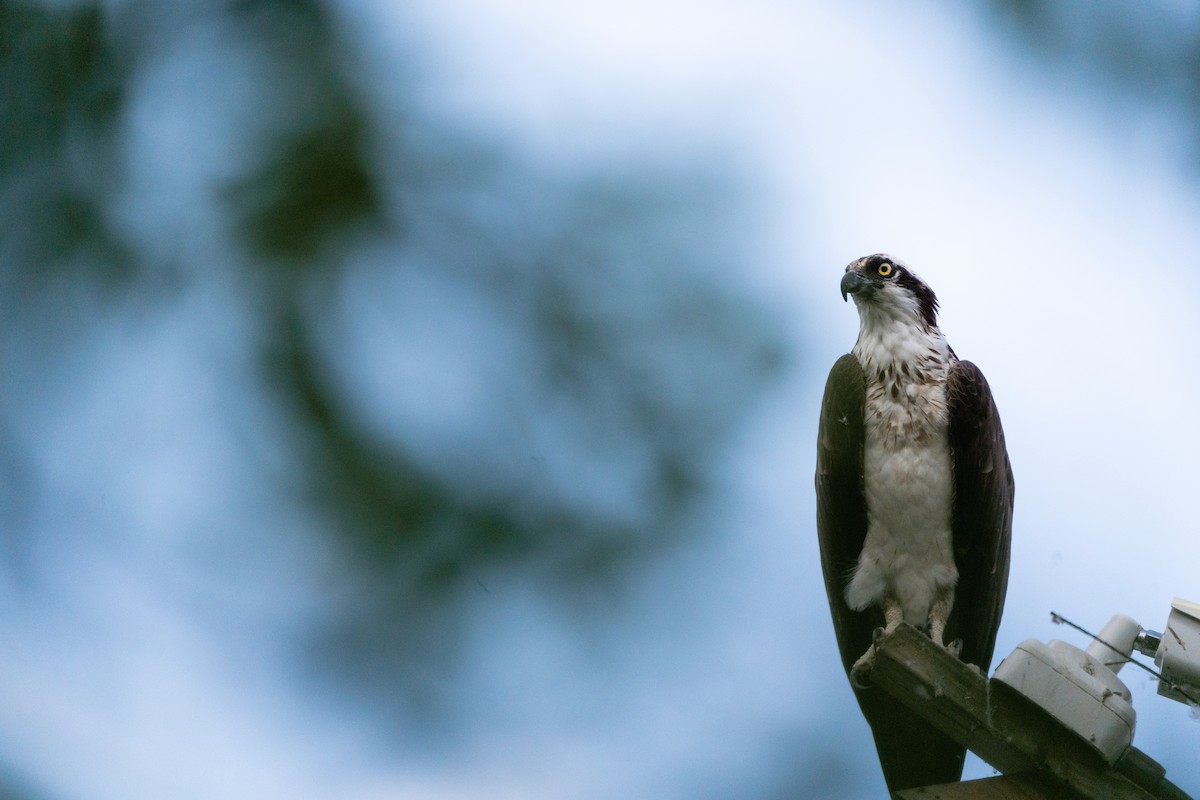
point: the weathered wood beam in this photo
(1031, 785)
(1002, 727)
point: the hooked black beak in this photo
(854, 283)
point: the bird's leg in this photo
(939, 613)
(893, 615)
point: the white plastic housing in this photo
(1120, 632)
(1077, 690)
(1178, 656)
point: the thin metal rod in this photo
(1059, 619)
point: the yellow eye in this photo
(885, 269)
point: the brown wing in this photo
(983, 507)
(911, 752)
(841, 507)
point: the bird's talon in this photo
(955, 648)
(860, 673)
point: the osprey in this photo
(914, 504)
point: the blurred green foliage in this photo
(613, 284)
(61, 94)
(1142, 58)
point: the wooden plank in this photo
(1149, 774)
(1140, 768)
(1004, 728)
(1018, 786)
(953, 696)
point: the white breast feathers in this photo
(908, 554)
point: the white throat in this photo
(895, 336)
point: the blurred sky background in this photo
(418, 400)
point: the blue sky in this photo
(1055, 228)
(1054, 225)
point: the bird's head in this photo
(884, 286)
